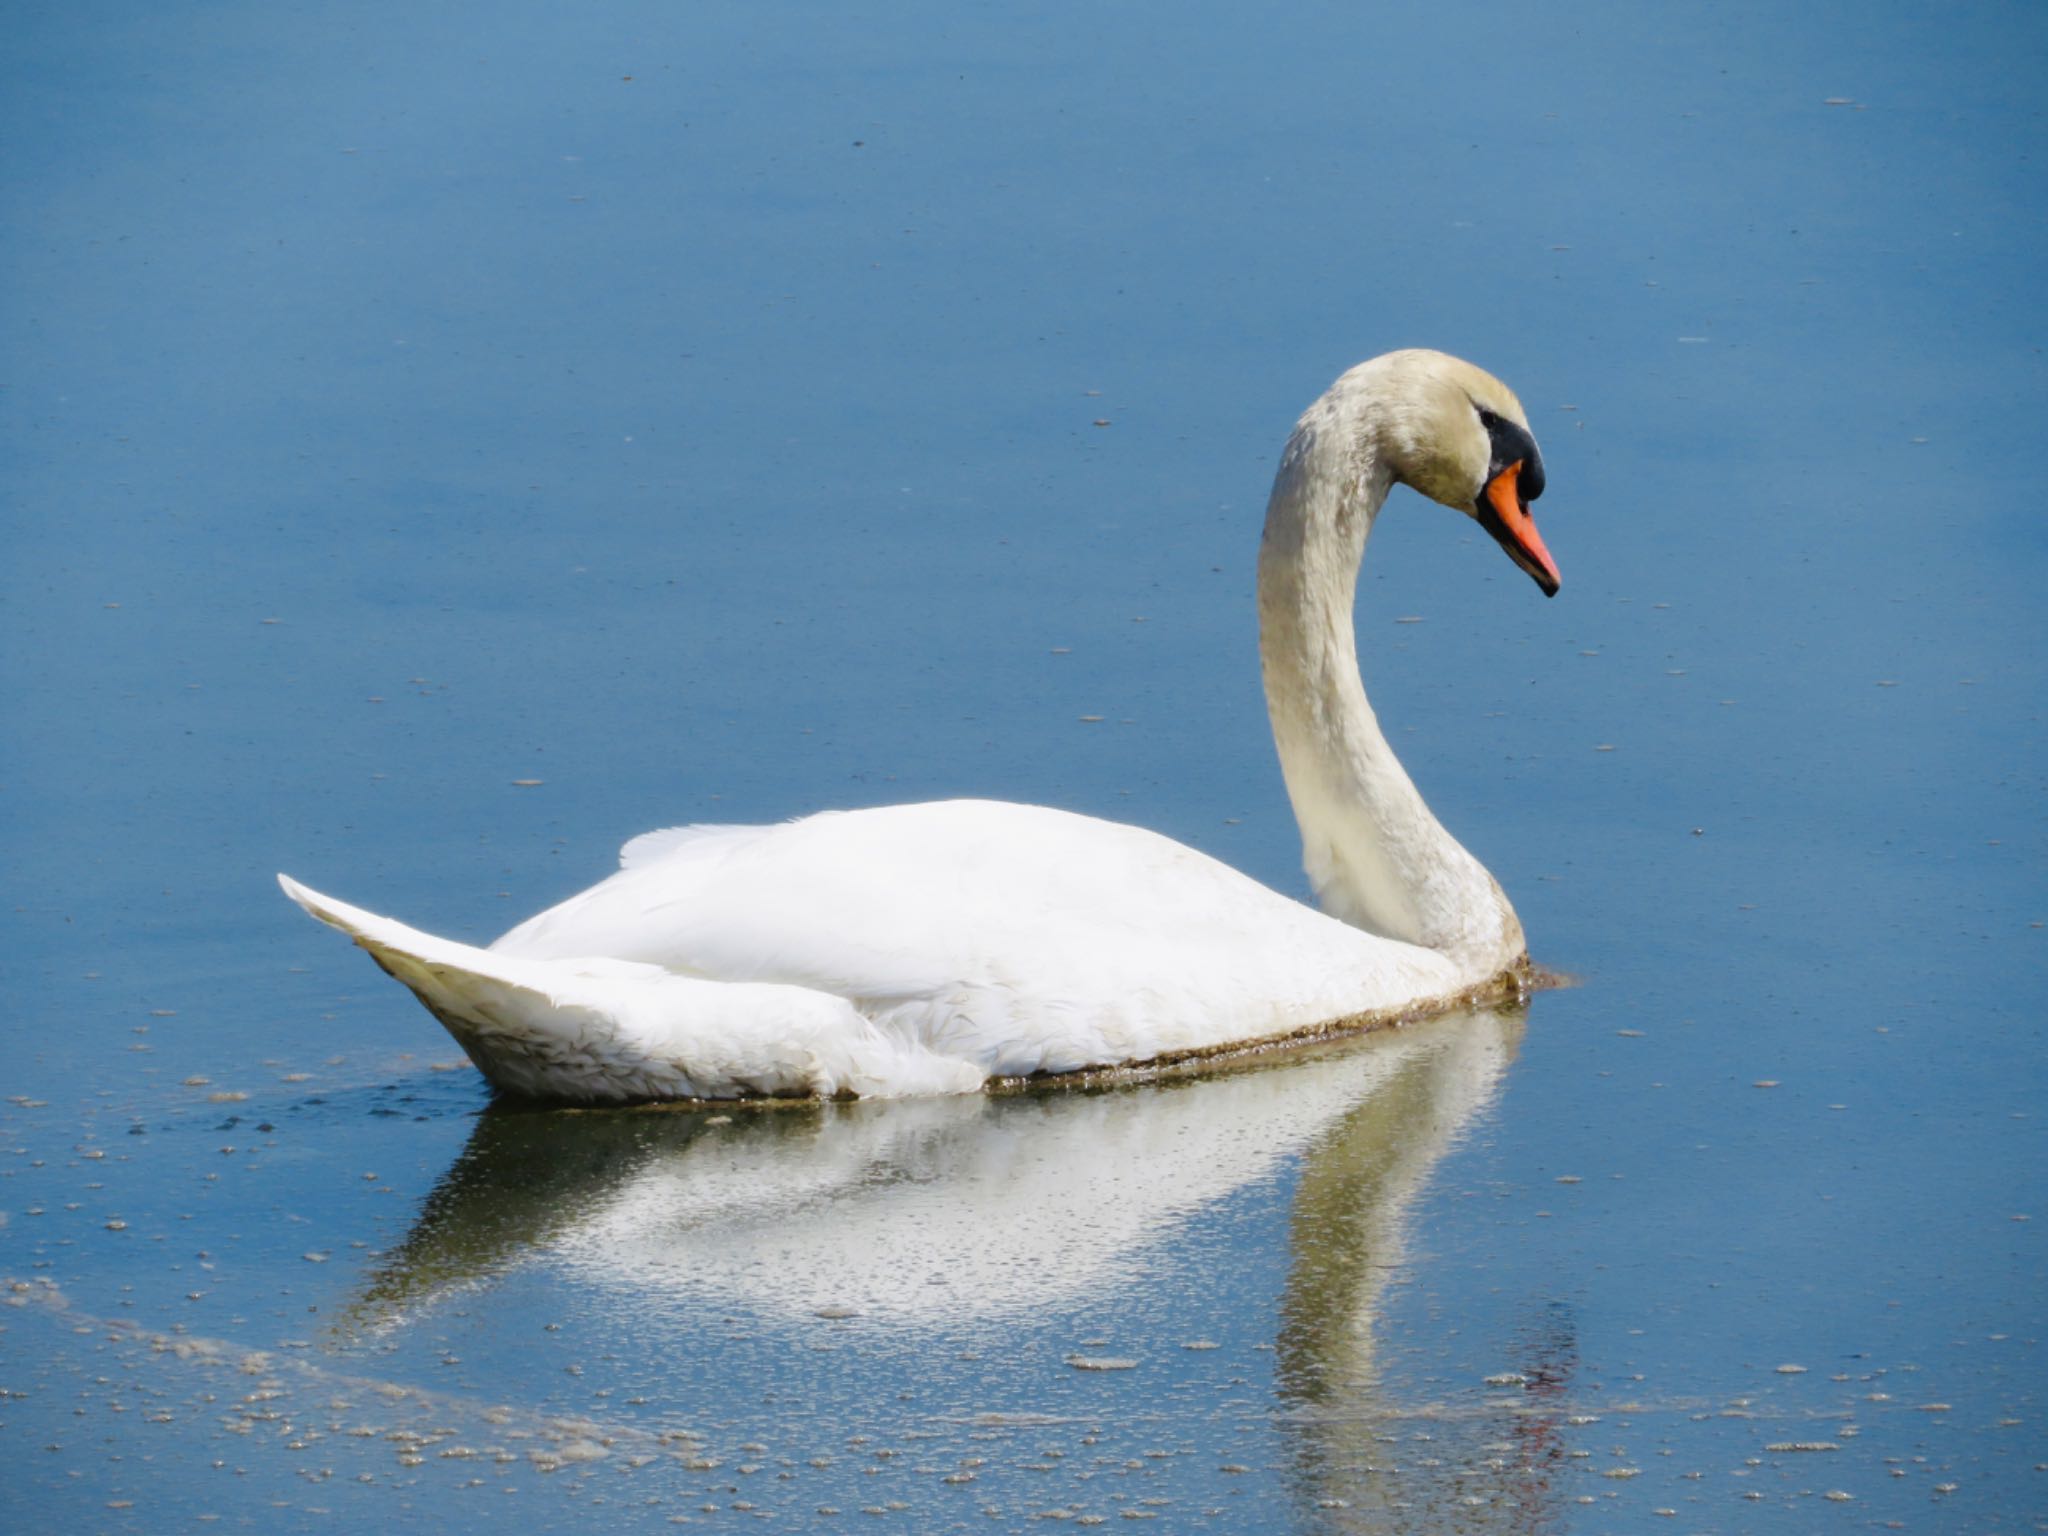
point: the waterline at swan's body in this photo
(928, 948)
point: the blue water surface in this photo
(443, 442)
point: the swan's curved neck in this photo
(1376, 856)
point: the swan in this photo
(933, 948)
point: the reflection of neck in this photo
(1345, 1240)
(1376, 856)
(1347, 1229)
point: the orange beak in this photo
(1504, 514)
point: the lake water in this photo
(729, 411)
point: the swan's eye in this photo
(1512, 444)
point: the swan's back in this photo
(1022, 938)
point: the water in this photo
(695, 411)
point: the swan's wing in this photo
(870, 904)
(643, 850)
(1022, 930)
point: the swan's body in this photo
(928, 948)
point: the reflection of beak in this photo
(1504, 514)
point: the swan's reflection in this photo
(954, 1209)
(931, 1213)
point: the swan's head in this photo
(1457, 434)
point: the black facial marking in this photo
(1512, 444)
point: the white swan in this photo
(929, 948)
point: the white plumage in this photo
(926, 948)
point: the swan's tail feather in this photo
(600, 1030)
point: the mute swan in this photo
(919, 949)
